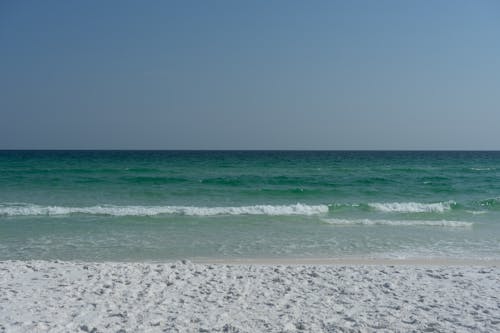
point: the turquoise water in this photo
(160, 205)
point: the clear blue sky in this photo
(250, 74)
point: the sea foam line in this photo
(412, 207)
(277, 210)
(433, 223)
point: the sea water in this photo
(164, 205)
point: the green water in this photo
(161, 205)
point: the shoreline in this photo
(354, 261)
(284, 261)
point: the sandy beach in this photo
(54, 296)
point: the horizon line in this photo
(249, 150)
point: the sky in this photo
(257, 74)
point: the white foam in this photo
(412, 207)
(432, 223)
(481, 169)
(276, 210)
(476, 212)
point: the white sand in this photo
(39, 296)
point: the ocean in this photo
(167, 205)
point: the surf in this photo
(112, 210)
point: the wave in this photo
(276, 210)
(492, 203)
(374, 181)
(413, 207)
(28, 209)
(477, 212)
(433, 223)
(481, 169)
(153, 180)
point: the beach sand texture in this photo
(44, 296)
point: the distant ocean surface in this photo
(163, 205)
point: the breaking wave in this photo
(110, 210)
(442, 223)
(492, 203)
(413, 207)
